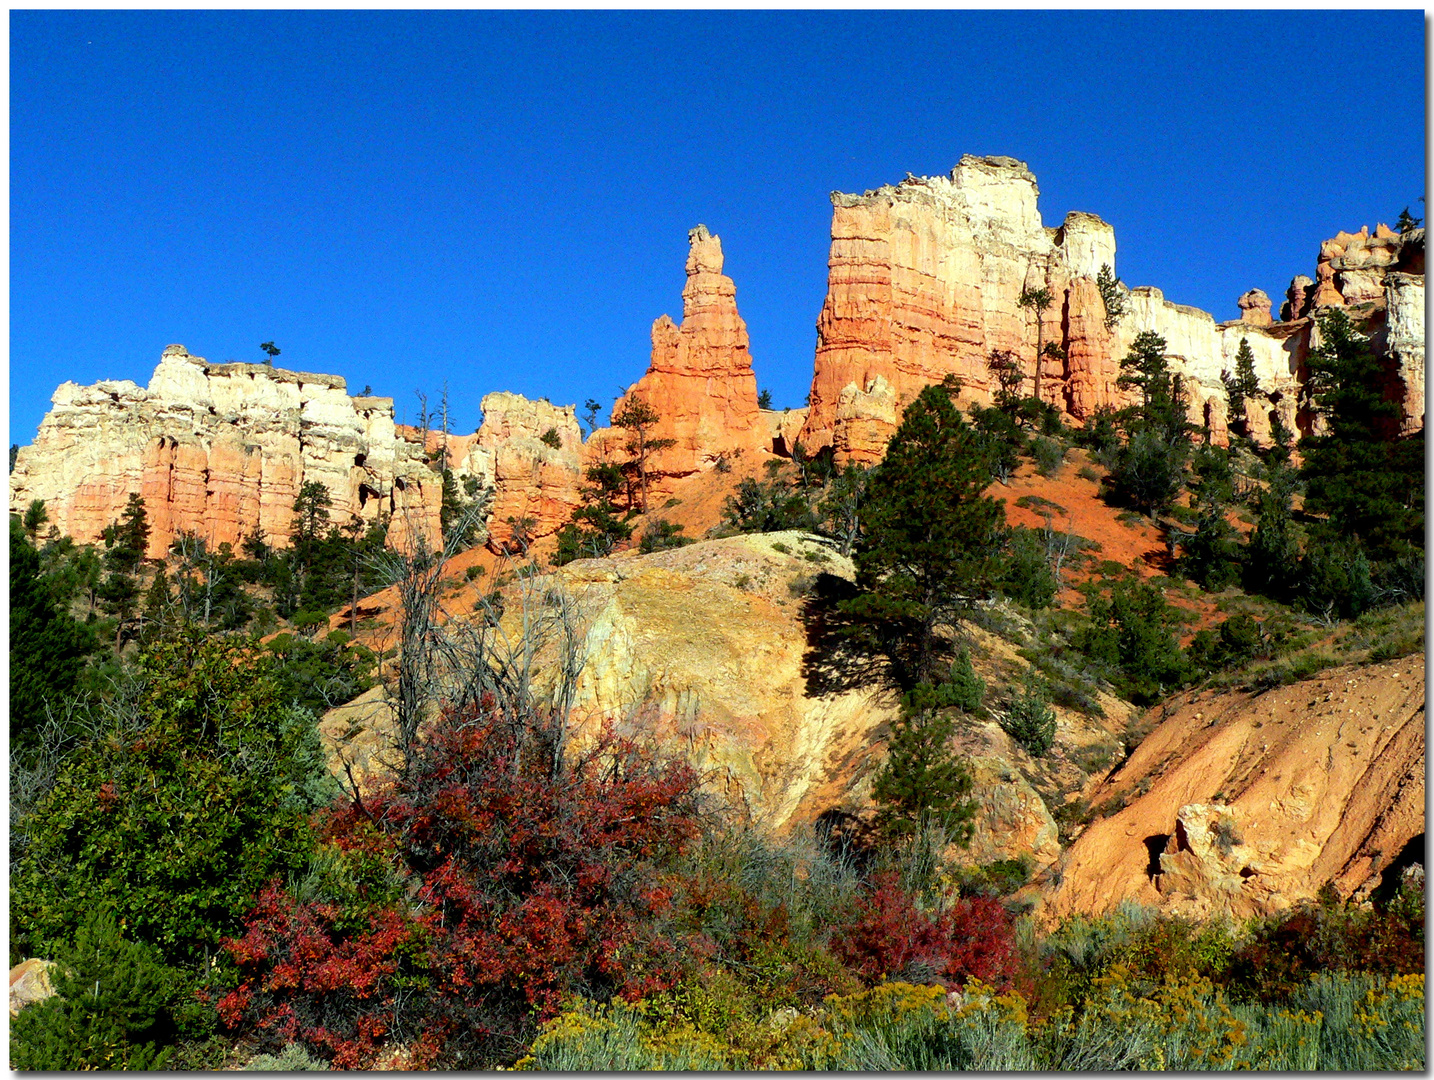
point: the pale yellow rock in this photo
(29, 983)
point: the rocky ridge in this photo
(221, 450)
(1245, 802)
(926, 278)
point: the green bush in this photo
(1026, 574)
(1048, 454)
(1029, 718)
(195, 792)
(1132, 635)
(661, 535)
(110, 1009)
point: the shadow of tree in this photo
(834, 661)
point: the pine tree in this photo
(1037, 300)
(1112, 294)
(595, 529)
(1360, 474)
(931, 538)
(1211, 554)
(638, 418)
(110, 1005)
(923, 782)
(36, 518)
(1149, 470)
(1239, 387)
(47, 646)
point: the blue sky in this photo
(500, 201)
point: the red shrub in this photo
(523, 884)
(891, 937)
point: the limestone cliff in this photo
(221, 450)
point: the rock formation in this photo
(925, 281)
(700, 380)
(1297, 298)
(221, 450)
(926, 278)
(30, 983)
(1255, 307)
(1246, 803)
(530, 453)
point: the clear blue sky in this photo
(501, 201)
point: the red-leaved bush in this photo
(494, 878)
(889, 936)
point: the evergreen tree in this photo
(923, 781)
(1037, 300)
(1132, 634)
(127, 539)
(638, 418)
(1029, 718)
(110, 1009)
(1360, 474)
(595, 529)
(1149, 470)
(1112, 294)
(841, 507)
(931, 538)
(1006, 370)
(1239, 388)
(47, 646)
(1273, 554)
(1211, 554)
(36, 518)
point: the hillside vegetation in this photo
(1025, 748)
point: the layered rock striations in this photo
(530, 454)
(926, 279)
(221, 450)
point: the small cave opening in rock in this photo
(1411, 854)
(365, 493)
(1154, 848)
(359, 460)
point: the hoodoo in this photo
(700, 381)
(927, 279)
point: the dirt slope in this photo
(1247, 802)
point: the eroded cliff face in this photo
(530, 453)
(926, 278)
(221, 450)
(925, 281)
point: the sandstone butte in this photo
(925, 281)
